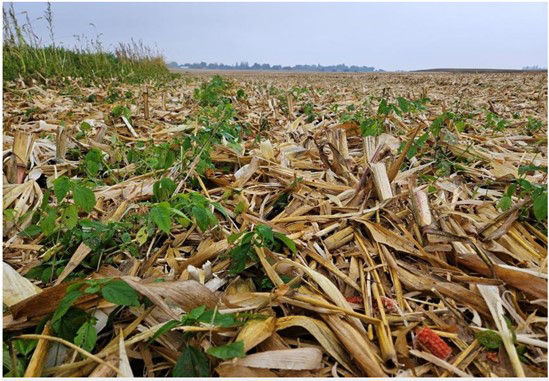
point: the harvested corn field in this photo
(268, 225)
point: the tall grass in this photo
(25, 55)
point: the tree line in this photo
(257, 66)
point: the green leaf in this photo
(239, 257)
(30, 231)
(383, 107)
(61, 187)
(524, 184)
(160, 215)
(141, 236)
(182, 220)
(45, 200)
(531, 168)
(228, 351)
(213, 317)
(120, 110)
(265, 232)
(92, 167)
(416, 145)
(511, 328)
(266, 284)
(93, 162)
(126, 237)
(47, 224)
(84, 198)
(489, 339)
(234, 237)
(191, 363)
(212, 219)
(247, 238)
(68, 326)
(533, 125)
(70, 217)
(504, 203)
(239, 208)
(220, 209)
(287, 241)
(165, 328)
(9, 215)
(67, 301)
(438, 123)
(85, 126)
(521, 350)
(6, 359)
(403, 104)
(92, 289)
(86, 336)
(513, 187)
(540, 207)
(119, 292)
(202, 218)
(195, 313)
(73, 287)
(371, 127)
(25, 347)
(163, 189)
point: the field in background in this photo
(276, 225)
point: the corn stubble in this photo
(391, 254)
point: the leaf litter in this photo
(268, 225)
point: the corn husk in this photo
(124, 362)
(15, 287)
(295, 359)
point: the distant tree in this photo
(265, 66)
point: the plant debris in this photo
(276, 225)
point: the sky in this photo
(388, 36)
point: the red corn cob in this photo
(433, 343)
(354, 299)
(493, 356)
(389, 305)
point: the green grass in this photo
(49, 62)
(26, 56)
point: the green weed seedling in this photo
(47, 216)
(535, 195)
(181, 208)
(260, 236)
(533, 125)
(495, 122)
(78, 326)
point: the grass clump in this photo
(26, 56)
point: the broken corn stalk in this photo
(421, 209)
(381, 181)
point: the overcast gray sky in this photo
(390, 36)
